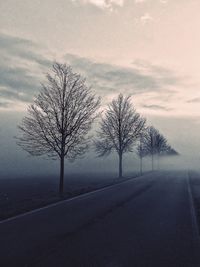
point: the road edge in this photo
(69, 199)
(196, 230)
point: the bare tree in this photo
(60, 118)
(120, 127)
(160, 146)
(141, 151)
(170, 151)
(149, 143)
(154, 143)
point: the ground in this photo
(18, 195)
(143, 222)
(195, 186)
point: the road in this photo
(147, 221)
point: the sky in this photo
(149, 49)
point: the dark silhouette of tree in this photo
(60, 118)
(141, 151)
(120, 127)
(149, 143)
(171, 151)
(154, 143)
(160, 146)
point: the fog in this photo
(182, 134)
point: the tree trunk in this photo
(141, 171)
(158, 162)
(61, 186)
(152, 162)
(120, 165)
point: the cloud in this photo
(146, 18)
(22, 48)
(140, 1)
(104, 4)
(163, 1)
(21, 64)
(22, 68)
(194, 100)
(156, 107)
(4, 104)
(144, 1)
(16, 77)
(111, 79)
(161, 74)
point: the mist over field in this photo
(16, 163)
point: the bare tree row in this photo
(60, 119)
(153, 144)
(121, 128)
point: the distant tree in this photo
(171, 151)
(141, 151)
(120, 127)
(160, 146)
(154, 143)
(149, 143)
(58, 122)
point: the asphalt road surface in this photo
(147, 221)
